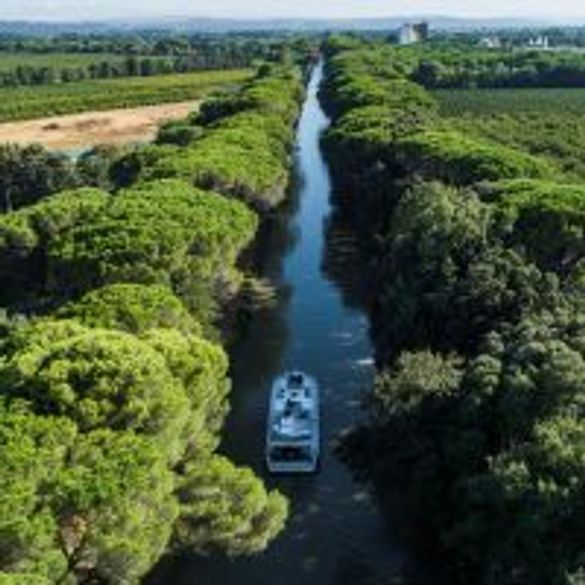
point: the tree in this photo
(32, 450)
(134, 308)
(226, 508)
(115, 506)
(27, 174)
(94, 166)
(98, 379)
(79, 507)
(485, 445)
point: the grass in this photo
(25, 103)
(544, 122)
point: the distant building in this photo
(410, 34)
(539, 43)
(490, 43)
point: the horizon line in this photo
(284, 18)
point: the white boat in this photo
(292, 434)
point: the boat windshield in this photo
(295, 381)
(290, 453)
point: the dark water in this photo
(335, 534)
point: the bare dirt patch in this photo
(89, 129)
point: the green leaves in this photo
(90, 486)
(134, 308)
(75, 504)
(162, 233)
(485, 443)
(416, 377)
(98, 379)
(28, 174)
(458, 160)
(110, 410)
(32, 450)
(115, 506)
(546, 218)
(227, 508)
(243, 146)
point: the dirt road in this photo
(80, 131)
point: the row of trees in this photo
(112, 403)
(452, 65)
(133, 57)
(476, 255)
(257, 45)
(238, 143)
(30, 74)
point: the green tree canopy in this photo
(227, 508)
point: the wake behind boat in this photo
(292, 434)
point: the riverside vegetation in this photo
(113, 382)
(476, 256)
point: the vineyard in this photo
(10, 61)
(546, 122)
(511, 101)
(53, 100)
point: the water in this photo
(335, 535)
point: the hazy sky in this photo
(98, 9)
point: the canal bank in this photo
(335, 533)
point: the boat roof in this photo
(293, 409)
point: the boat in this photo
(293, 428)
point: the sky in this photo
(564, 10)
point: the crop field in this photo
(545, 122)
(511, 101)
(52, 100)
(10, 61)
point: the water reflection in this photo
(343, 263)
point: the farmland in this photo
(10, 61)
(546, 122)
(54, 100)
(78, 132)
(511, 101)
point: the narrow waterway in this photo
(335, 535)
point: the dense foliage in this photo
(454, 158)
(30, 173)
(114, 390)
(239, 144)
(211, 51)
(477, 314)
(161, 233)
(93, 424)
(446, 65)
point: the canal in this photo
(335, 535)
